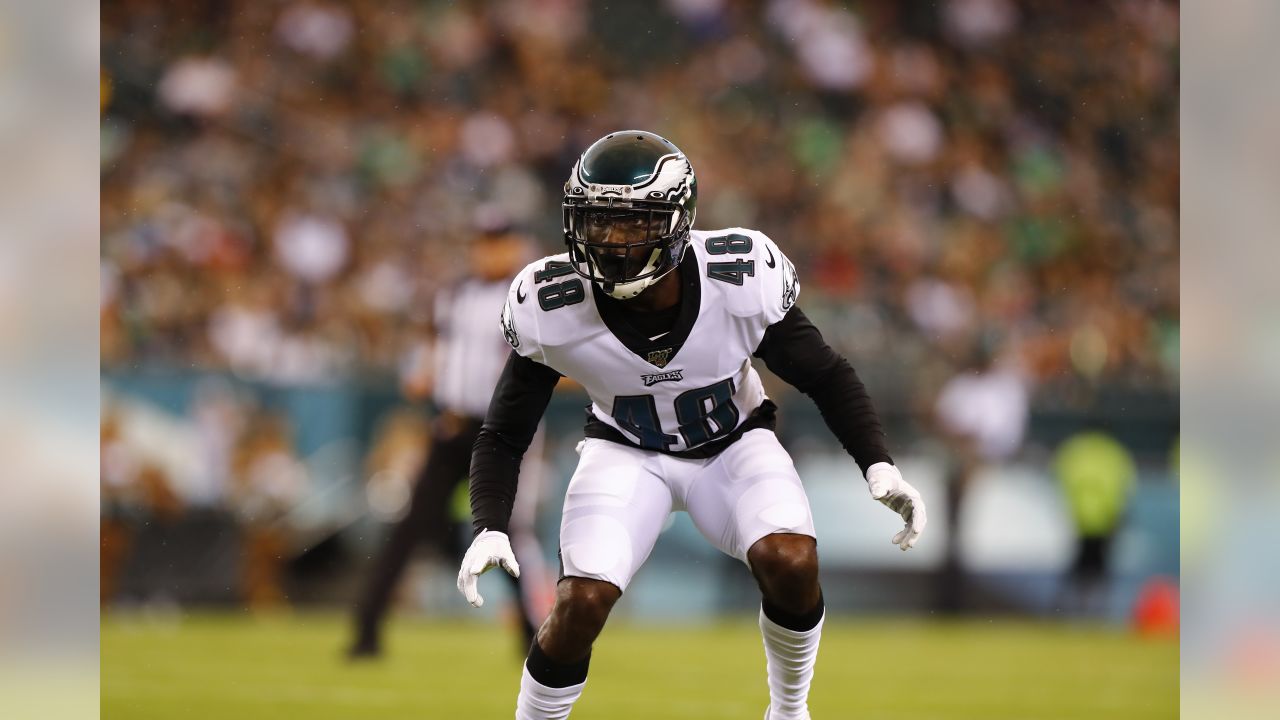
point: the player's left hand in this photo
(887, 486)
(490, 548)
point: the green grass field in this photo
(239, 668)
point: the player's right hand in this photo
(888, 487)
(490, 548)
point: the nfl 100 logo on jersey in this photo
(659, 358)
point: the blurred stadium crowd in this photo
(284, 184)
(982, 192)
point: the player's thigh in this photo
(751, 490)
(614, 508)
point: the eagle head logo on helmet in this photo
(627, 211)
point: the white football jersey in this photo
(690, 386)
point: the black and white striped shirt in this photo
(470, 350)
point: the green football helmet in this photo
(628, 209)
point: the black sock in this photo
(550, 673)
(803, 622)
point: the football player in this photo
(659, 323)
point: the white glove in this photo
(887, 486)
(490, 548)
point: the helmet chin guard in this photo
(627, 211)
(630, 289)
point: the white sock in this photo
(790, 656)
(539, 702)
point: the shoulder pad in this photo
(769, 287)
(545, 308)
(519, 321)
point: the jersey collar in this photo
(614, 314)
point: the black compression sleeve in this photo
(794, 350)
(518, 403)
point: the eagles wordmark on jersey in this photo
(684, 388)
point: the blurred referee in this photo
(460, 370)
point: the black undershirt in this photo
(652, 323)
(657, 335)
(792, 348)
